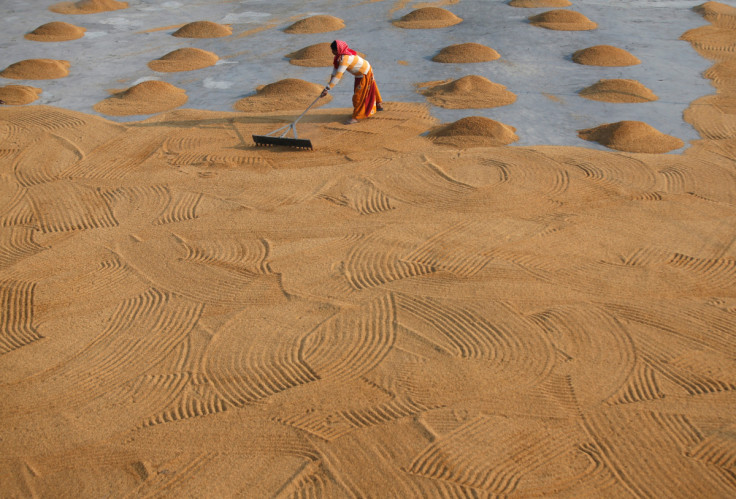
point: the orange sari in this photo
(365, 96)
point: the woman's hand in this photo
(324, 93)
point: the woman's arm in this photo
(337, 74)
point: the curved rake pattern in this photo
(16, 321)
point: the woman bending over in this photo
(366, 97)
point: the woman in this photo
(366, 97)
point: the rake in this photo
(282, 140)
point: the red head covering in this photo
(342, 49)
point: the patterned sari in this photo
(365, 96)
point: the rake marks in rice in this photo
(189, 405)
(141, 332)
(182, 206)
(482, 455)
(469, 335)
(177, 145)
(330, 426)
(595, 342)
(714, 327)
(312, 481)
(106, 161)
(646, 451)
(453, 250)
(423, 183)
(245, 255)
(677, 179)
(353, 341)
(37, 165)
(217, 160)
(17, 243)
(8, 152)
(48, 120)
(545, 174)
(361, 195)
(147, 201)
(247, 368)
(642, 385)
(158, 204)
(18, 210)
(17, 327)
(718, 272)
(717, 449)
(65, 206)
(181, 469)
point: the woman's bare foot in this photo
(379, 107)
(351, 121)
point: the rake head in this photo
(266, 140)
(270, 139)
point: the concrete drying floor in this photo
(535, 63)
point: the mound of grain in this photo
(55, 32)
(717, 13)
(36, 69)
(428, 18)
(722, 73)
(468, 92)
(631, 136)
(147, 97)
(315, 56)
(18, 95)
(203, 29)
(316, 24)
(466, 53)
(88, 6)
(534, 4)
(618, 91)
(474, 131)
(186, 59)
(563, 20)
(605, 55)
(290, 94)
(289, 86)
